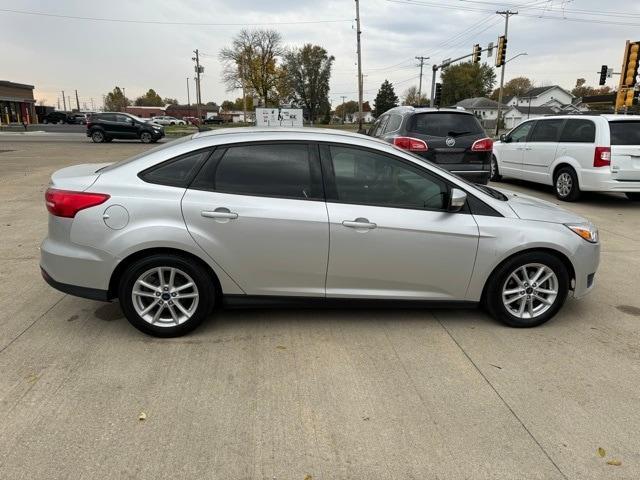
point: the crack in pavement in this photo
(502, 398)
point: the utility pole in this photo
(64, 101)
(58, 103)
(358, 32)
(188, 97)
(199, 70)
(93, 108)
(506, 14)
(77, 101)
(422, 59)
(343, 112)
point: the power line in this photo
(161, 22)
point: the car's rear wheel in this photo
(97, 137)
(566, 184)
(494, 172)
(633, 196)
(528, 289)
(166, 295)
(108, 139)
(146, 137)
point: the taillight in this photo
(482, 145)
(602, 157)
(411, 144)
(65, 203)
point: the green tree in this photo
(385, 99)
(170, 101)
(115, 101)
(228, 105)
(252, 62)
(583, 90)
(346, 108)
(411, 97)
(149, 99)
(308, 70)
(517, 86)
(239, 104)
(466, 80)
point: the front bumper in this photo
(585, 264)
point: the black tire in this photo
(201, 278)
(45, 121)
(108, 139)
(172, 123)
(97, 136)
(146, 137)
(494, 288)
(633, 196)
(495, 173)
(565, 184)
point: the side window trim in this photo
(331, 190)
(142, 175)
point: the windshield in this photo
(146, 152)
(445, 124)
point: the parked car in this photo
(55, 117)
(192, 120)
(215, 120)
(452, 138)
(78, 118)
(167, 120)
(598, 153)
(224, 218)
(104, 127)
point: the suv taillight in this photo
(602, 157)
(482, 145)
(65, 203)
(411, 144)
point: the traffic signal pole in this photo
(507, 14)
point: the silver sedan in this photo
(306, 217)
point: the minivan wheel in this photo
(146, 137)
(633, 196)
(527, 290)
(166, 295)
(495, 174)
(97, 136)
(566, 184)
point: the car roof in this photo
(406, 109)
(286, 133)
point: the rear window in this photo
(578, 131)
(444, 124)
(625, 133)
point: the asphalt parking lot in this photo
(307, 394)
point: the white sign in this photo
(279, 117)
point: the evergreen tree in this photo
(385, 99)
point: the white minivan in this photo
(574, 153)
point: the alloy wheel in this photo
(165, 296)
(564, 184)
(530, 290)
(145, 137)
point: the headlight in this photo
(588, 231)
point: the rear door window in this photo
(578, 131)
(625, 133)
(444, 124)
(547, 130)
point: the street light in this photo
(516, 56)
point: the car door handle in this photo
(219, 213)
(359, 223)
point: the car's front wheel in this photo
(97, 137)
(146, 137)
(566, 184)
(528, 289)
(166, 295)
(494, 172)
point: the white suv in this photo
(574, 153)
(167, 120)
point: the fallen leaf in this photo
(308, 477)
(365, 418)
(281, 347)
(601, 452)
(615, 463)
(142, 416)
(31, 378)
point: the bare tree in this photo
(251, 62)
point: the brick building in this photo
(16, 103)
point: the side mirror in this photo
(504, 138)
(457, 199)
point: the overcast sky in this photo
(93, 56)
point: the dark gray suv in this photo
(452, 138)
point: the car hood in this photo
(531, 208)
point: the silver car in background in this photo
(306, 216)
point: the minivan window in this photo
(444, 124)
(279, 170)
(578, 131)
(520, 133)
(625, 133)
(369, 178)
(546, 130)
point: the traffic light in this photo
(477, 52)
(502, 51)
(603, 75)
(630, 68)
(438, 95)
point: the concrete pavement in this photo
(295, 394)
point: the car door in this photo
(540, 150)
(390, 234)
(258, 210)
(511, 151)
(126, 126)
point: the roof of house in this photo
(537, 91)
(477, 102)
(5, 83)
(536, 110)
